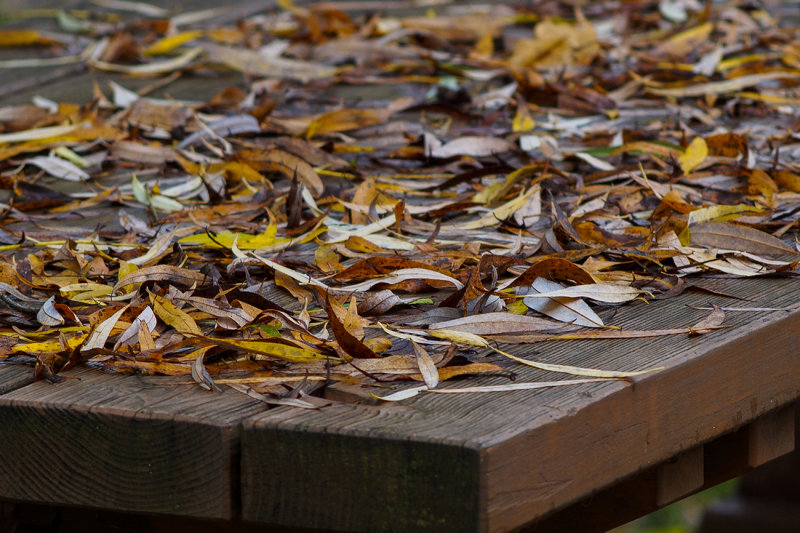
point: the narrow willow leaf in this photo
(564, 309)
(131, 334)
(494, 323)
(518, 386)
(272, 347)
(37, 133)
(728, 236)
(427, 368)
(253, 63)
(59, 168)
(157, 67)
(721, 87)
(473, 146)
(173, 316)
(460, 337)
(509, 387)
(158, 248)
(403, 274)
(290, 402)
(411, 336)
(577, 370)
(48, 347)
(224, 127)
(600, 292)
(475, 340)
(401, 394)
(173, 274)
(200, 374)
(99, 336)
(502, 212)
(302, 278)
(168, 44)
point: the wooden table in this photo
(582, 458)
(572, 459)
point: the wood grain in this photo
(680, 476)
(123, 442)
(771, 436)
(537, 451)
(13, 377)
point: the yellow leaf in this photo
(82, 292)
(484, 48)
(167, 44)
(721, 213)
(48, 347)
(522, 120)
(787, 180)
(225, 35)
(343, 120)
(695, 153)
(280, 348)
(244, 171)
(460, 337)
(22, 38)
(171, 315)
(126, 268)
(648, 148)
(502, 212)
(685, 41)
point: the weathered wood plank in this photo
(722, 459)
(126, 443)
(14, 377)
(711, 385)
(357, 482)
(680, 476)
(771, 436)
(535, 451)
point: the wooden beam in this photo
(680, 476)
(771, 436)
(301, 478)
(124, 443)
(534, 453)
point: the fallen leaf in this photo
(564, 309)
(727, 236)
(694, 155)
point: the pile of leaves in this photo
(379, 198)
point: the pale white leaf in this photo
(48, 315)
(430, 374)
(594, 161)
(473, 146)
(403, 274)
(36, 133)
(518, 386)
(401, 394)
(570, 310)
(58, 168)
(99, 336)
(130, 335)
(601, 292)
(224, 127)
